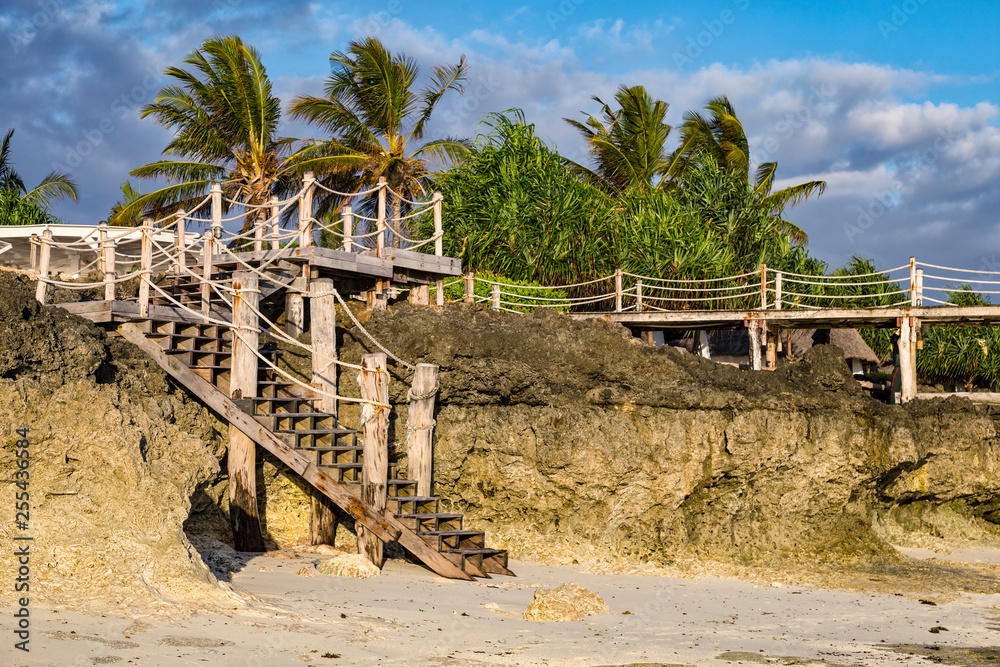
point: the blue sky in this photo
(894, 104)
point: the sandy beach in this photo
(408, 616)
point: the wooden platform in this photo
(801, 319)
(126, 311)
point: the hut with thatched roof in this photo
(733, 346)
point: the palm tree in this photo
(628, 144)
(225, 121)
(722, 136)
(373, 117)
(53, 187)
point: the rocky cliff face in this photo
(116, 455)
(577, 429)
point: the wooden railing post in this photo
(495, 297)
(102, 236)
(374, 383)
(638, 295)
(323, 330)
(107, 252)
(216, 192)
(438, 229)
(243, 515)
(275, 223)
(295, 307)
(35, 243)
(305, 211)
(208, 247)
(258, 232)
(44, 257)
(919, 300)
(380, 221)
(145, 267)
(347, 218)
(618, 290)
(763, 286)
(420, 428)
(180, 242)
(777, 290)
(469, 282)
(913, 281)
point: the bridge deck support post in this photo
(420, 428)
(907, 360)
(242, 463)
(771, 341)
(323, 327)
(374, 383)
(753, 331)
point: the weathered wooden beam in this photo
(374, 383)
(420, 428)
(225, 407)
(242, 459)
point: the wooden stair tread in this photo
(314, 431)
(340, 448)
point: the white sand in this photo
(408, 616)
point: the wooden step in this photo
(413, 504)
(481, 562)
(435, 521)
(443, 540)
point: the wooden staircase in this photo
(284, 421)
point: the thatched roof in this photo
(736, 343)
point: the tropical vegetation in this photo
(375, 119)
(20, 206)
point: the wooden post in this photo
(208, 243)
(763, 286)
(34, 243)
(108, 263)
(495, 297)
(323, 328)
(438, 229)
(216, 192)
(919, 301)
(469, 282)
(907, 357)
(420, 428)
(295, 307)
(420, 295)
(618, 290)
(771, 343)
(44, 257)
(701, 346)
(380, 222)
(374, 383)
(145, 267)
(305, 211)
(347, 216)
(913, 281)
(638, 295)
(439, 299)
(243, 516)
(777, 290)
(180, 237)
(753, 331)
(258, 232)
(275, 223)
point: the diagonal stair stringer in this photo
(384, 526)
